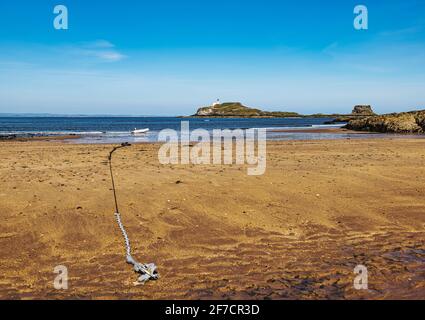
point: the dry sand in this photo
(298, 231)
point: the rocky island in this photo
(359, 112)
(404, 122)
(237, 109)
(362, 118)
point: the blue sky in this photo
(170, 57)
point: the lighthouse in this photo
(216, 103)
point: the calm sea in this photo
(118, 129)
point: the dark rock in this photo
(363, 110)
(405, 122)
(8, 136)
(359, 112)
(420, 119)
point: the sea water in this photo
(118, 129)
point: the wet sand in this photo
(322, 130)
(40, 138)
(296, 232)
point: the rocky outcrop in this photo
(236, 109)
(363, 110)
(205, 111)
(406, 122)
(8, 137)
(359, 112)
(420, 119)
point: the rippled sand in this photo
(296, 232)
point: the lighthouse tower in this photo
(216, 103)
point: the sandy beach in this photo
(297, 232)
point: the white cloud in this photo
(110, 56)
(100, 44)
(102, 50)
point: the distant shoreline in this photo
(48, 115)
